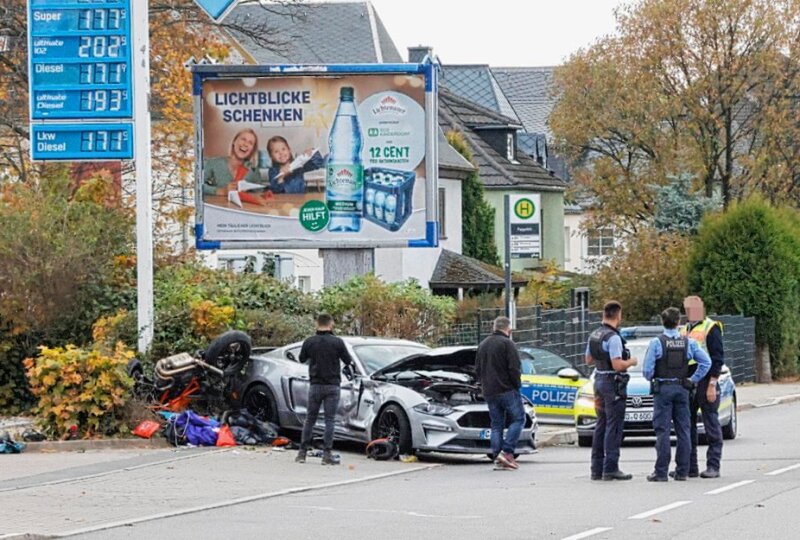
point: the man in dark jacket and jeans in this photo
(323, 352)
(498, 370)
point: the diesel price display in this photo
(80, 59)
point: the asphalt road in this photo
(551, 496)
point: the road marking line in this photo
(587, 534)
(729, 487)
(234, 502)
(660, 509)
(785, 469)
(382, 511)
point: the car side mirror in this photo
(291, 356)
(569, 373)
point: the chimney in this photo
(418, 53)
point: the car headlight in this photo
(434, 409)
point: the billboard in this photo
(316, 156)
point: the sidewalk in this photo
(752, 396)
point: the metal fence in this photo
(566, 331)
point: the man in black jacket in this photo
(323, 352)
(497, 367)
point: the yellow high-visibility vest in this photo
(700, 332)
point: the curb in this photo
(771, 403)
(96, 444)
(554, 438)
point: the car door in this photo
(553, 396)
(298, 384)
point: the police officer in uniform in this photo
(606, 351)
(708, 334)
(666, 365)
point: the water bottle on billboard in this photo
(344, 173)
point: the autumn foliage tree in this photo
(707, 88)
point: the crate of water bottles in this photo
(388, 196)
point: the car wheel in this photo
(729, 430)
(259, 401)
(585, 441)
(229, 352)
(393, 424)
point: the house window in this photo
(442, 215)
(510, 147)
(600, 242)
(567, 240)
(304, 283)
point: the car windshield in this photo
(638, 350)
(378, 356)
(541, 362)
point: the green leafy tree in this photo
(679, 209)
(477, 214)
(748, 261)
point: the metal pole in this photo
(144, 211)
(507, 234)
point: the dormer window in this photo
(510, 147)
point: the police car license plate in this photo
(638, 416)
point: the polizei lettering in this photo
(553, 397)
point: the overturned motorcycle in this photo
(205, 381)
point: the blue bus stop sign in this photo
(216, 9)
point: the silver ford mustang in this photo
(424, 399)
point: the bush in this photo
(194, 304)
(545, 288)
(646, 276)
(86, 388)
(62, 265)
(748, 261)
(367, 306)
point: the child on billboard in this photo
(286, 172)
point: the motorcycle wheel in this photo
(229, 352)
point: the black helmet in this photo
(382, 449)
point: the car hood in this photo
(461, 359)
(637, 385)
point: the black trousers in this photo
(319, 395)
(709, 412)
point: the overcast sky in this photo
(497, 32)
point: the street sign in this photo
(525, 226)
(82, 142)
(216, 9)
(80, 59)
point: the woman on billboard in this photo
(220, 172)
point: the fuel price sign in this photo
(80, 59)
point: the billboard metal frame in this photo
(427, 68)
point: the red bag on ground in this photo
(146, 428)
(225, 437)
